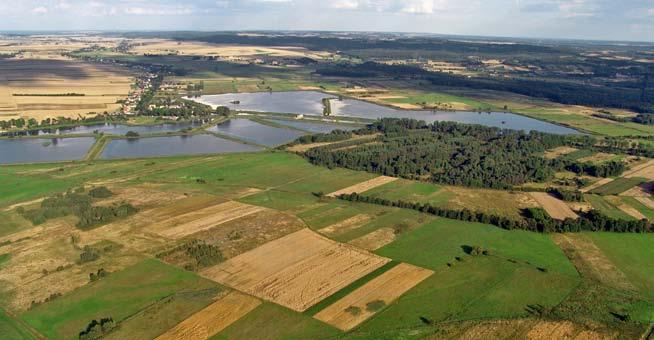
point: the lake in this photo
(254, 132)
(310, 103)
(172, 146)
(111, 128)
(31, 150)
(313, 127)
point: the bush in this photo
(100, 192)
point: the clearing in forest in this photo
(559, 151)
(364, 186)
(203, 219)
(556, 208)
(368, 299)
(590, 261)
(213, 319)
(297, 270)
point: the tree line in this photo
(535, 219)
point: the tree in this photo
(223, 111)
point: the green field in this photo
(498, 285)
(648, 212)
(608, 209)
(271, 321)
(411, 191)
(632, 254)
(433, 98)
(618, 186)
(11, 329)
(119, 296)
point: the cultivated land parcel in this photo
(260, 243)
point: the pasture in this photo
(115, 296)
(618, 186)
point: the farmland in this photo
(452, 226)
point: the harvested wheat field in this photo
(297, 270)
(364, 186)
(556, 208)
(590, 261)
(559, 151)
(644, 170)
(346, 225)
(213, 319)
(203, 219)
(162, 46)
(38, 88)
(375, 239)
(631, 211)
(357, 306)
(531, 329)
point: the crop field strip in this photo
(556, 208)
(295, 271)
(354, 308)
(214, 318)
(618, 186)
(364, 186)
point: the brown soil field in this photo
(297, 270)
(364, 186)
(590, 261)
(346, 225)
(560, 151)
(375, 239)
(213, 319)
(597, 184)
(386, 287)
(102, 86)
(203, 219)
(583, 206)
(531, 329)
(556, 208)
(248, 232)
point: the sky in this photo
(574, 19)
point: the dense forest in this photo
(456, 154)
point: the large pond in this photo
(32, 150)
(310, 103)
(172, 146)
(313, 127)
(254, 132)
(111, 128)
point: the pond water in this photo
(313, 127)
(172, 146)
(111, 128)
(29, 150)
(258, 133)
(310, 103)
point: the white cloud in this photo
(159, 10)
(418, 6)
(345, 4)
(40, 10)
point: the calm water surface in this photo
(29, 150)
(313, 127)
(310, 103)
(172, 146)
(258, 133)
(111, 128)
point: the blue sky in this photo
(592, 19)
